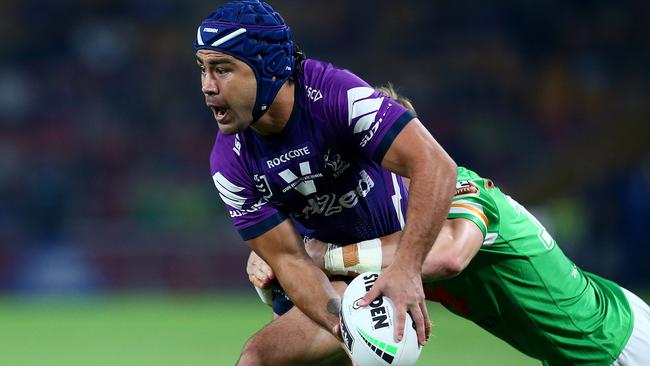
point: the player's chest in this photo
(289, 176)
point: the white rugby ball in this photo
(368, 332)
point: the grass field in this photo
(188, 331)
(162, 331)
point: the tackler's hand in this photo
(259, 272)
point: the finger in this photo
(263, 279)
(427, 320)
(257, 283)
(370, 296)
(336, 331)
(401, 319)
(418, 319)
(253, 280)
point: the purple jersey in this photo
(323, 170)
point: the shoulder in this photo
(324, 75)
(331, 91)
(474, 200)
(227, 151)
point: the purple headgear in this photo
(254, 33)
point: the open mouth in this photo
(220, 113)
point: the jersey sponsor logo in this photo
(313, 94)
(330, 204)
(336, 163)
(368, 136)
(288, 156)
(210, 30)
(228, 192)
(362, 111)
(305, 183)
(466, 188)
(237, 147)
(254, 207)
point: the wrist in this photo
(354, 258)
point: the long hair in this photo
(389, 90)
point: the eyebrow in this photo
(214, 61)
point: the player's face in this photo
(229, 87)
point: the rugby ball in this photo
(368, 332)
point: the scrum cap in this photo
(251, 31)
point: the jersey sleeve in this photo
(473, 201)
(243, 195)
(369, 120)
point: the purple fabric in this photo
(323, 170)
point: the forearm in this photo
(310, 290)
(430, 193)
(416, 155)
(436, 265)
(457, 243)
(306, 285)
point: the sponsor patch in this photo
(466, 188)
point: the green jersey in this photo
(523, 289)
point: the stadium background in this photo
(114, 247)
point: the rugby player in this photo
(496, 265)
(308, 149)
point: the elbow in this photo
(454, 266)
(442, 266)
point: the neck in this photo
(276, 118)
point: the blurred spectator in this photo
(104, 138)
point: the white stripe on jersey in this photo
(471, 203)
(397, 200)
(360, 106)
(467, 211)
(490, 238)
(227, 191)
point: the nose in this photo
(209, 85)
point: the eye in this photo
(202, 68)
(221, 71)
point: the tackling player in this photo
(496, 265)
(307, 149)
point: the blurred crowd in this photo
(104, 138)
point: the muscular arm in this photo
(307, 286)
(416, 155)
(458, 242)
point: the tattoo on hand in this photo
(334, 306)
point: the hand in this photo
(403, 285)
(259, 272)
(316, 250)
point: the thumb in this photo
(370, 296)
